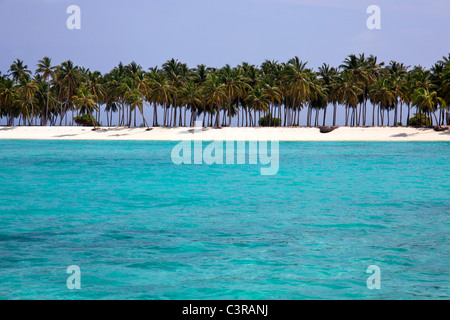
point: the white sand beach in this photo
(237, 134)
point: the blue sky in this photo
(217, 32)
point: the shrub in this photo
(268, 120)
(86, 120)
(419, 120)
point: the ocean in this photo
(139, 226)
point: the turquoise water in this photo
(140, 227)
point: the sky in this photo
(219, 32)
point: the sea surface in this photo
(141, 227)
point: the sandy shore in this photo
(238, 134)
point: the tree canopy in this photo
(245, 95)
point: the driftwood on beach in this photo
(327, 129)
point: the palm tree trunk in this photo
(48, 97)
(141, 109)
(334, 114)
(347, 115)
(175, 113)
(218, 117)
(229, 114)
(373, 116)
(155, 115)
(360, 113)
(395, 113)
(129, 116)
(164, 114)
(246, 117)
(401, 113)
(378, 115)
(437, 121)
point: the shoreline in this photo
(226, 134)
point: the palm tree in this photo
(363, 72)
(328, 75)
(439, 79)
(347, 93)
(215, 93)
(135, 78)
(259, 100)
(382, 95)
(18, 70)
(297, 80)
(199, 77)
(318, 99)
(428, 102)
(7, 99)
(69, 79)
(446, 88)
(160, 93)
(116, 79)
(135, 100)
(252, 77)
(177, 74)
(233, 85)
(374, 71)
(274, 94)
(397, 72)
(190, 96)
(85, 102)
(407, 92)
(26, 97)
(94, 84)
(272, 73)
(45, 68)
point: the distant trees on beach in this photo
(245, 95)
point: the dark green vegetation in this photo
(269, 121)
(86, 120)
(245, 95)
(420, 120)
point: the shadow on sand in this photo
(66, 135)
(404, 135)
